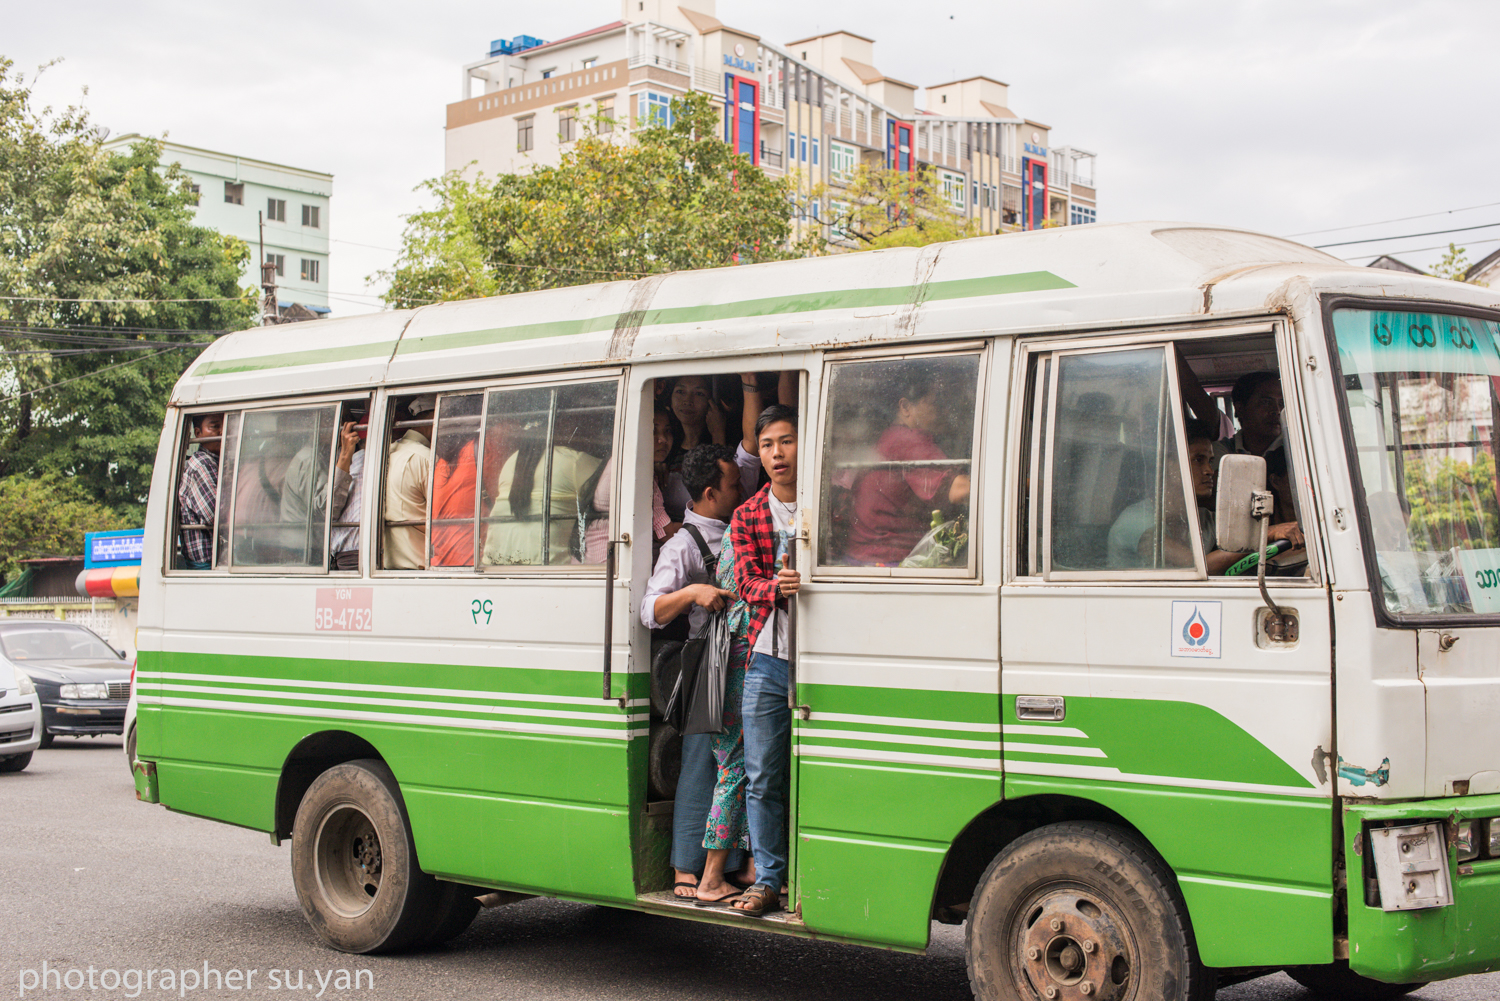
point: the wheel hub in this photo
(1072, 949)
(348, 861)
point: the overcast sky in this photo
(1285, 116)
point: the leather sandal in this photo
(758, 901)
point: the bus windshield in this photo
(1421, 394)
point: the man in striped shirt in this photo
(198, 492)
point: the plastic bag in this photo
(697, 670)
(705, 709)
(946, 544)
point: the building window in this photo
(953, 190)
(280, 261)
(606, 115)
(841, 161)
(838, 218)
(815, 151)
(589, 64)
(309, 270)
(276, 209)
(197, 192)
(310, 216)
(547, 74)
(523, 133)
(654, 109)
(566, 129)
(234, 194)
(1081, 215)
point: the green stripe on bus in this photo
(808, 302)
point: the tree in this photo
(675, 198)
(1454, 266)
(883, 207)
(46, 516)
(77, 223)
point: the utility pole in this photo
(269, 314)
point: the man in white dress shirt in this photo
(682, 583)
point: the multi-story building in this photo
(284, 208)
(813, 109)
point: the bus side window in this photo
(1114, 477)
(281, 487)
(542, 447)
(898, 448)
(199, 511)
(455, 471)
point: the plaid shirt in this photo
(197, 496)
(753, 536)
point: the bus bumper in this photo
(145, 781)
(1435, 943)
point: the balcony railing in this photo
(770, 158)
(674, 65)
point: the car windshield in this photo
(53, 642)
(1421, 391)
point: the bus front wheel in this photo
(1082, 911)
(354, 863)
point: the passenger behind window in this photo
(407, 470)
(601, 484)
(455, 472)
(516, 532)
(305, 491)
(1257, 405)
(268, 443)
(894, 505)
(344, 541)
(198, 492)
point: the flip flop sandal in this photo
(684, 884)
(723, 901)
(760, 900)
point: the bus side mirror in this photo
(1241, 477)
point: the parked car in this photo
(83, 683)
(20, 718)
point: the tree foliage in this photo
(1454, 266)
(47, 516)
(884, 207)
(78, 223)
(675, 198)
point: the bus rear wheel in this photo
(1082, 911)
(354, 863)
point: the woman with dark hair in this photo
(601, 485)
(893, 504)
(515, 528)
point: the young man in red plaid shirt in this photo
(762, 531)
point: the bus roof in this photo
(1069, 278)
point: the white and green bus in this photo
(1130, 777)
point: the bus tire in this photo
(1088, 911)
(354, 862)
(456, 907)
(1336, 980)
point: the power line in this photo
(1406, 236)
(1405, 218)
(1415, 250)
(52, 298)
(97, 371)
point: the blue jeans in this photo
(695, 795)
(768, 729)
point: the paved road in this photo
(88, 876)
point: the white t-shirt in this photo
(784, 519)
